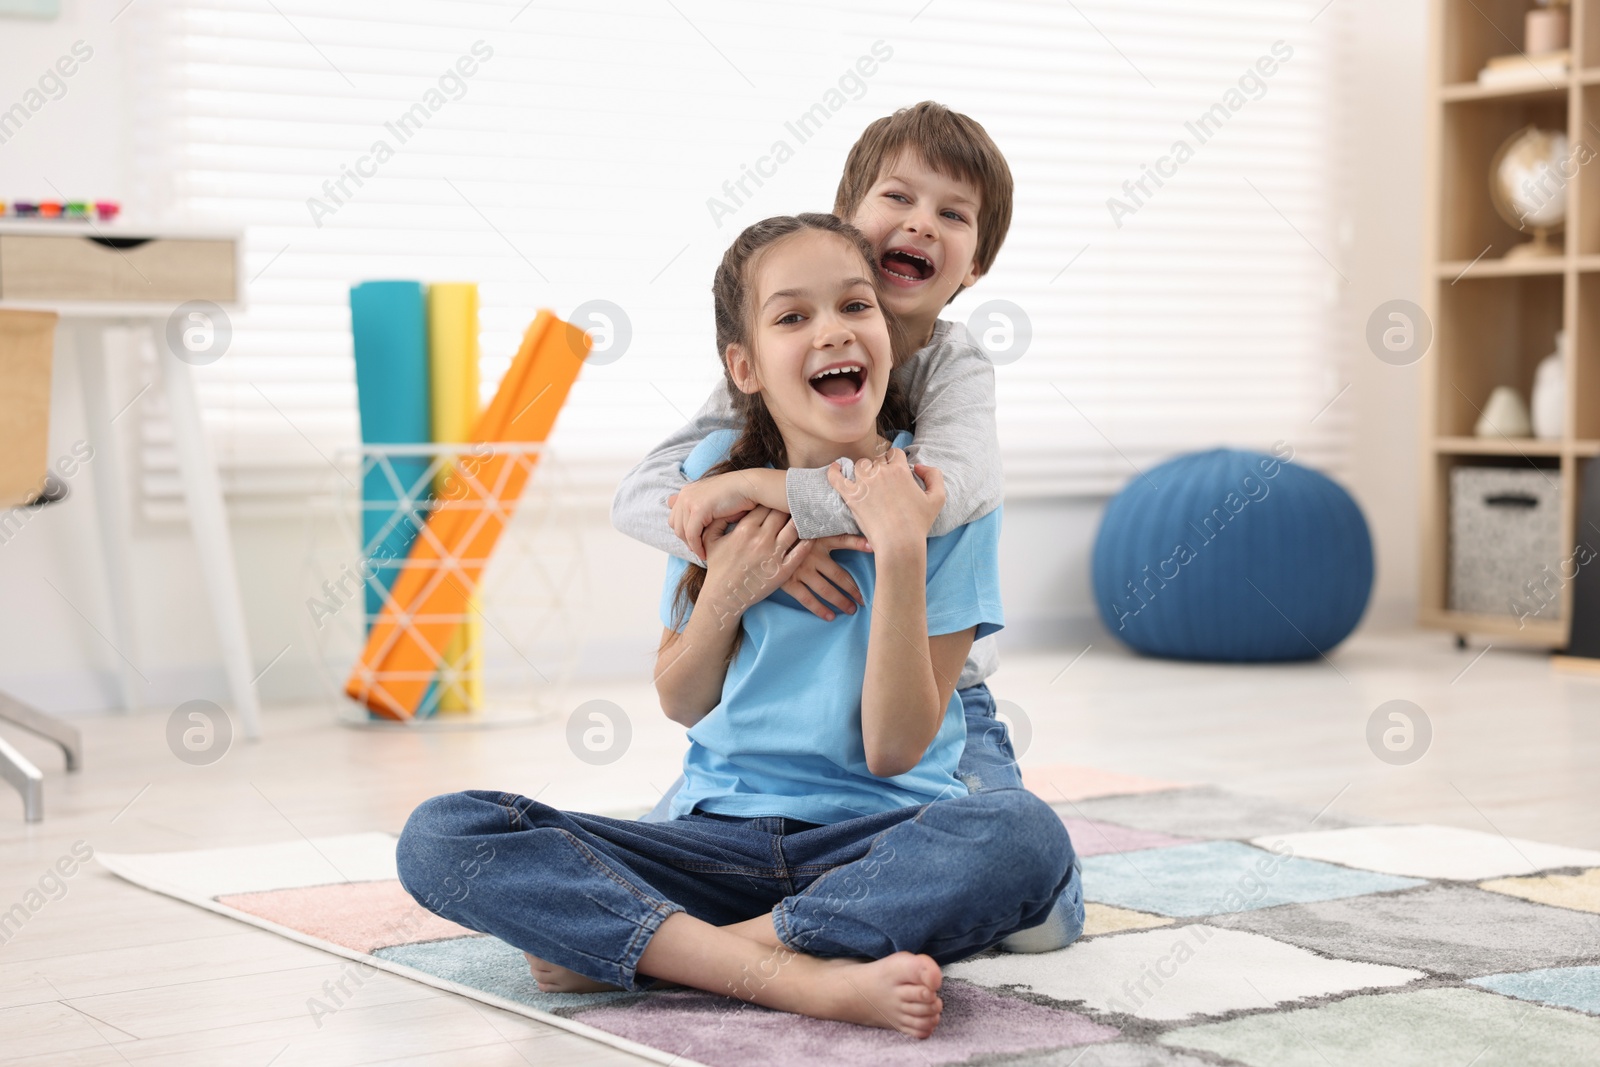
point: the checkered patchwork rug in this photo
(1222, 929)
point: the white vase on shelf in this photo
(1505, 415)
(1550, 392)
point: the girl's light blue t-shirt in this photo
(786, 737)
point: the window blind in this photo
(561, 154)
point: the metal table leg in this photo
(48, 727)
(16, 769)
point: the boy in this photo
(932, 193)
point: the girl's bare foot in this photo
(555, 979)
(898, 992)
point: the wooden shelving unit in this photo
(1495, 319)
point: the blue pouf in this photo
(1233, 556)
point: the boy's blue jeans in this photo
(587, 892)
(989, 762)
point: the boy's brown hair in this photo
(949, 142)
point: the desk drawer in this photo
(77, 267)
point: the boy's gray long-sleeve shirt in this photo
(949, 383)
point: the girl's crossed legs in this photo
(988, 761)
(861, 913)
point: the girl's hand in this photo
(699, 504)
(814, 583)
(747, 561)
(888, 504)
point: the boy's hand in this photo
(888, 504)
(821, 585)
(747, 561)
(697, 505)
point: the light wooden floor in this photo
(112, 974)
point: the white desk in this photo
(97, 275)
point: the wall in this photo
(1385, 144)
(51, 648)
(74, 143)
(73, 148)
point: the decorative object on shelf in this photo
(1550, 392)
(1520, 69)
(1547, 28)
(1528, 185)
(1232, 556)
(1505, 542)
(1545, 55)
(1505, 415)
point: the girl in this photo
(822, 856)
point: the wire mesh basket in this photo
(518, 637)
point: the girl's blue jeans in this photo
(989, 762)
(587, 892)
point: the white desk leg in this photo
(111, 501)
(209, 520)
